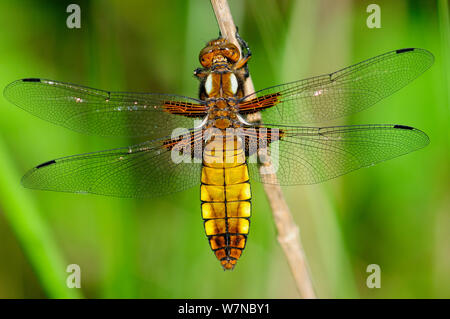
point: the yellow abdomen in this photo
(225, 195)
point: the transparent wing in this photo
(306, 155)
(144, 170)
(341, 93)
(104, 113)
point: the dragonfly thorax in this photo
(221, 83)
(223, 115)
(221, 87)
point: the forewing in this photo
(144, 170)
(341, 93)
(104, 113)
(305, 155)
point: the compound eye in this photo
(205, 59)
(231, 52)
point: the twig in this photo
(288, 231)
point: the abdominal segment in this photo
(225, 196)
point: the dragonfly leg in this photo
(201, 73)
(243, 44)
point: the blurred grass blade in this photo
(298, 56)
(32, 232)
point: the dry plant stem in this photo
(288, 231)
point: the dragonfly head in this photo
(218, 51)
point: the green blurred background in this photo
(395, 214)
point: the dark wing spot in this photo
(404, 127)
(46, 164)
(404, 50)
(31, 80)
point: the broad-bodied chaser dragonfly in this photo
(219, 152)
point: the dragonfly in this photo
(216, 147)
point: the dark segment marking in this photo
(404, 50)
(46, 164)
(404, 127)
(31, 80)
